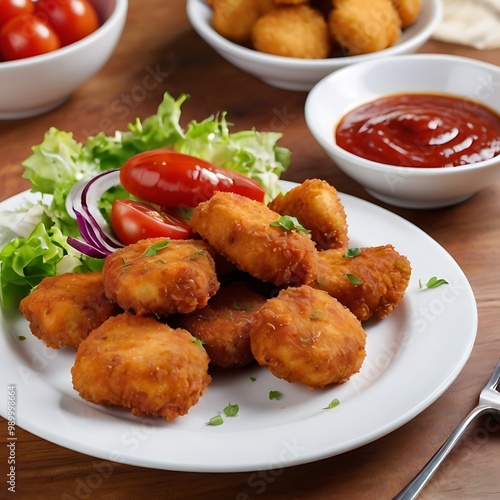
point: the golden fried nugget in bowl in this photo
(160, 276)
(304, 335)
(141, 364)
(243, 231)
(234, 19)
(371, 283)
(62, 310)
(317, 206)
(299, 74)
(408, 11)
(292, 31)
(223, 325)
(364, 26)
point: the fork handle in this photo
(414, 487)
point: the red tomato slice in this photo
(171, 179)
(12, 8)
(133, 221)
(72, 20)
(27, 36)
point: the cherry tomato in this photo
(133, 221)
(72, 20)
(26, 36)
(171, 179)
(12, 8)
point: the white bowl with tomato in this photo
(416, 131)
(49, 48)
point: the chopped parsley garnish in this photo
(22, 337)
(253, 379)
(352, 252)
(274, 395)
(289, 223)
(316, 315)
(333, 403)
(433, 282)
(241, 307)
(154, 249)
(353, 279)
(217, 420)
(231, 410)
(198, 342)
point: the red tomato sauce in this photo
(421, 130)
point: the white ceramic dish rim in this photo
(296, 430)
(329, 143)
(202, 26)
(118, 13)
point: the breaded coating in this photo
(224, 324)
(317, 206)
(240, 229)
(234, 19)
(290, 2)
(160, 276)
(369, 284)
(304, 335)
(408, 11)
(143, 365)
(292, 31)
(364, 26)
(62, 310)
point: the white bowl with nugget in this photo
(35, 85)
(416, 131)
(300, 37)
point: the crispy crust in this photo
(179, 278)
(317, 206)
(143, 365)
(239, 229)
(62, 310)
(304, 335)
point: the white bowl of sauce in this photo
(417, 131)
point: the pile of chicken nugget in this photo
(274, 285)
(314, 29)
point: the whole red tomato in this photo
(12, 8)
(72, 20)
(26, 36)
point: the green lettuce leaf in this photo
(24, 262)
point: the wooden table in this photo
(158, 37)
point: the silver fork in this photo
(489, 401)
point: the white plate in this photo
(412, 358)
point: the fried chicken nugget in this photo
(143, 365)
(364, 26)
(317, 206)
(224, 324)
(292, 31)
(62, 310)
(290, 2)
(234, 19)
(304, 335)
(408, 11)
(160, 276)
(240, 229)
(369, 284)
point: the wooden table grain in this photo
(159, 52)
